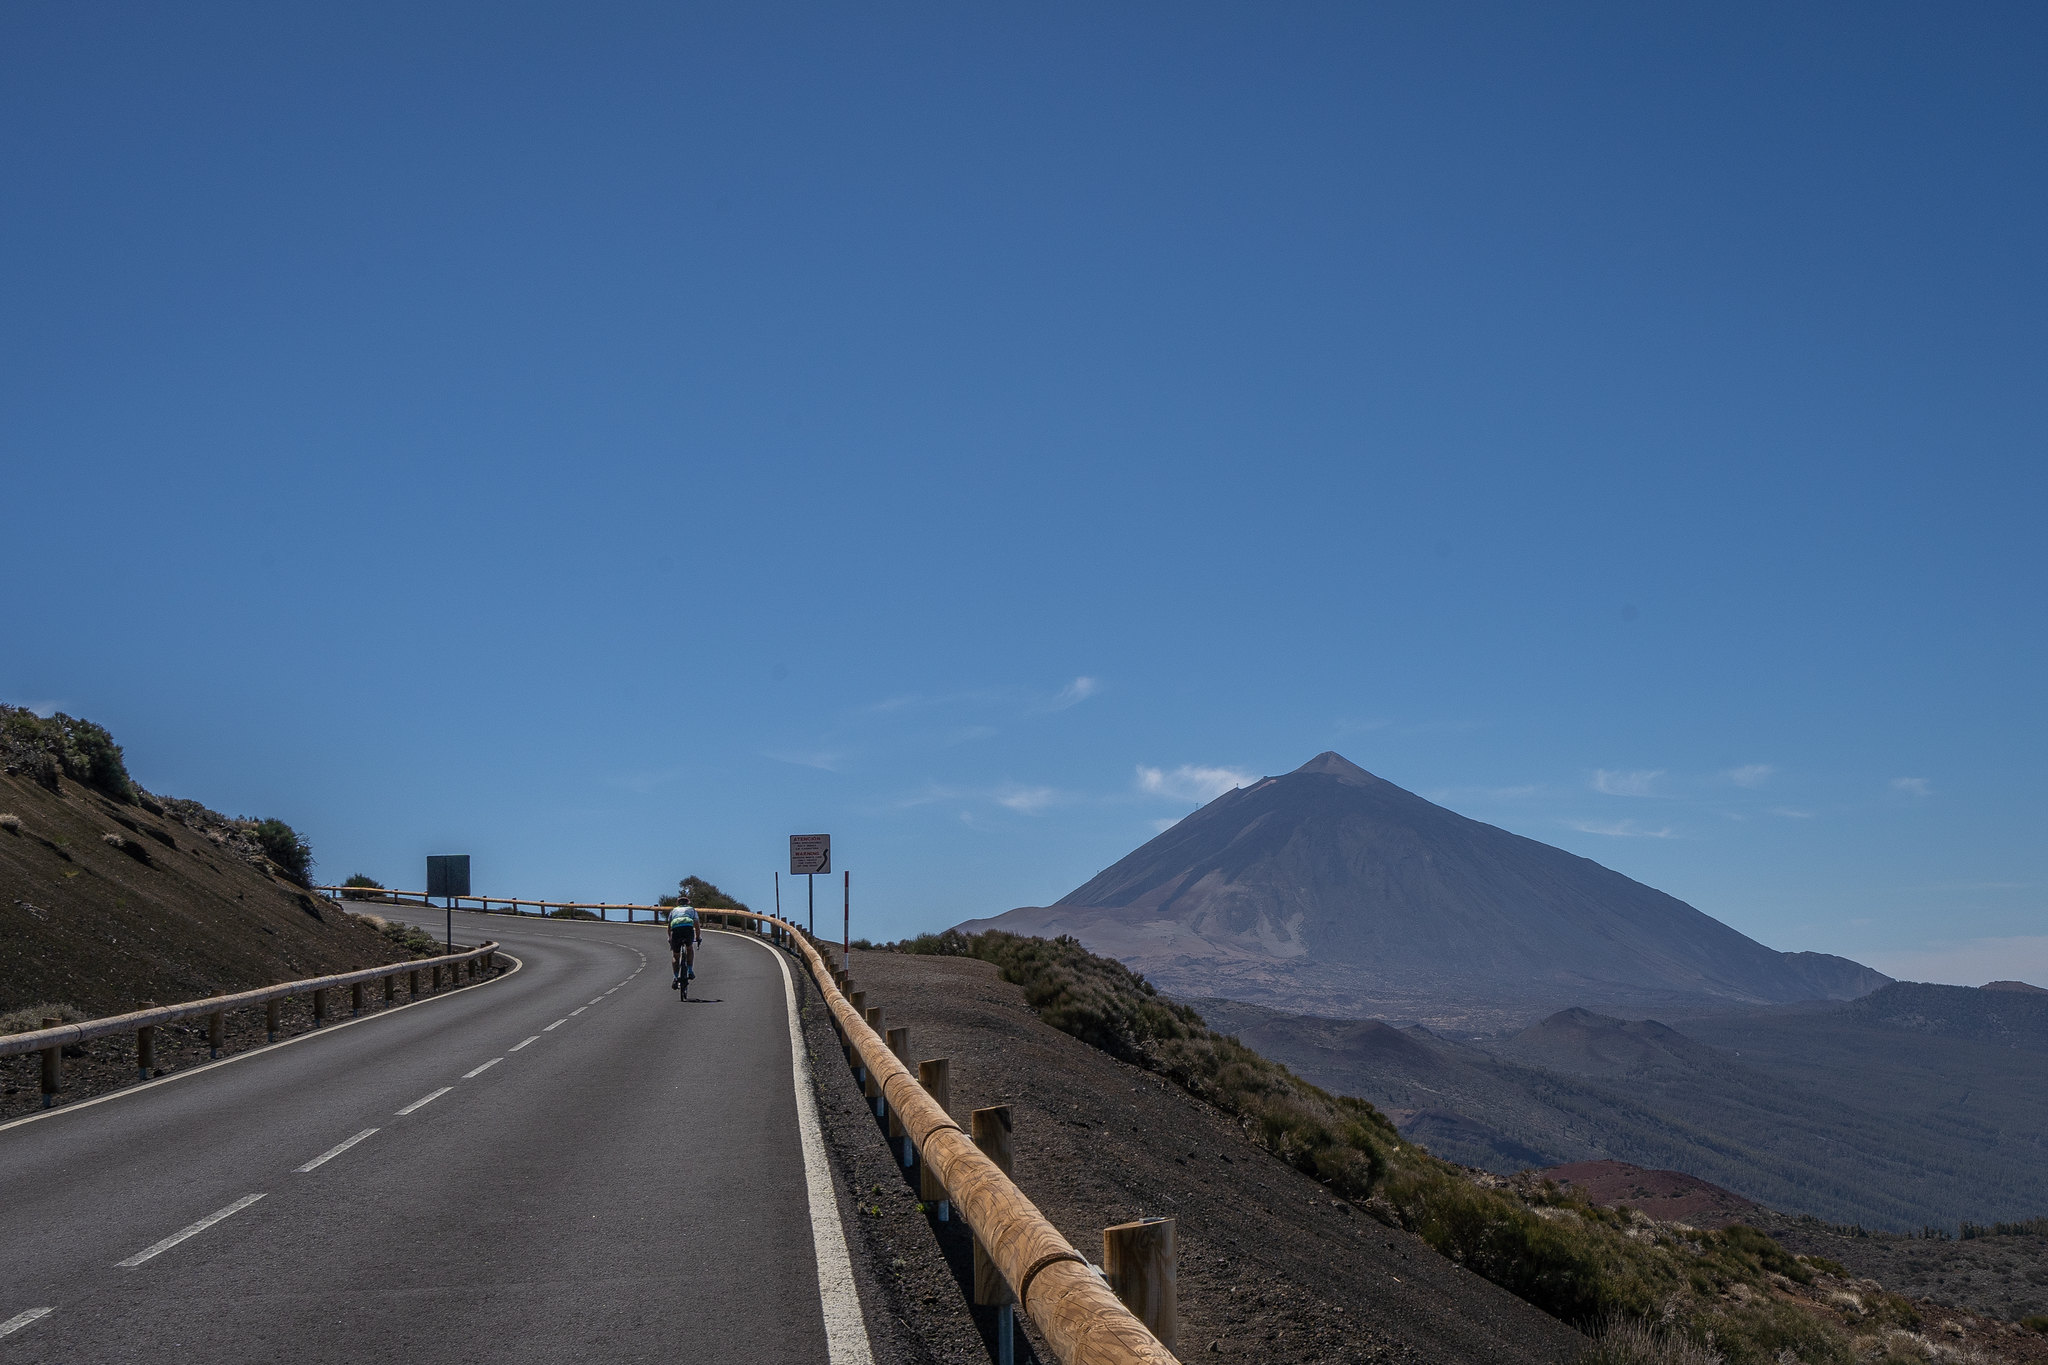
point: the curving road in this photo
(563, 1163)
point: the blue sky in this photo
(607, 439)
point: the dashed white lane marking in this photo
(333, 1152)
(472, 1075)
(193, 1231)
(23, 1319)
(425, 1100)
(552, 1027)
(578, 1010)
(516, 1046)
(600, 999)
(846, 1333)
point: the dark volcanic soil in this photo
(173, 913)
(1667, 1196)
(1271, 1267)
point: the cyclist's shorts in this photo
(678, 939)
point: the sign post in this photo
(810, 854)
(448, 876)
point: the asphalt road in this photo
(564, 1163)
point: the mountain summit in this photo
(1332, 891)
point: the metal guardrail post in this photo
(145, 1044)
(53, 1067)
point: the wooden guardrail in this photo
(143, 1023)
(1055, 1285)
(499, 905)
(1080, 1316)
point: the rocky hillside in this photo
(110, 895)
(1332, 891)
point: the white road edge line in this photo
(23, 1319)
(846, 1331)
(193, 1231)
(332, 1152)
(261, 1050)
(516, 1046)
(425, 1100)
(472, 1075)
(552, 1027)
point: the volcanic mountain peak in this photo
(1333, 891)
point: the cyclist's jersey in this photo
(680, 918)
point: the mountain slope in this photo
(1334, 891)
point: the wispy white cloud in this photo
(1912, 786)
(1074, 693)
(1027, 800)
(1751, 774)
(1615, 782)
(1191, 781)
(1621, 829)
(1971, 962)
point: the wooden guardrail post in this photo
(899, 1043)
(873, 1087)
(390, 988)
(412, 984)
(859, 1001)
(991, 1132)
(53, 1067)
(145, 1044)
(319, 1007)
(273, 1011)
(355, 998)
(217, 1032)
(1140, 1262)
(936, 1076)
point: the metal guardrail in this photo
(143, 1023)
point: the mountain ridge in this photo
(1331, 890)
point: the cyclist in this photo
(683, 938)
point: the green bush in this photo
(410, 937)
(2037, 1322)
(43, 746)
(573, 912)
(360, 885)
(286, 848)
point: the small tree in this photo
(704, 896)
(285, 847)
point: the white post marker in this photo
(193, 1231)
(333, 1152)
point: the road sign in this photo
(810, 854)
(448, 875)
